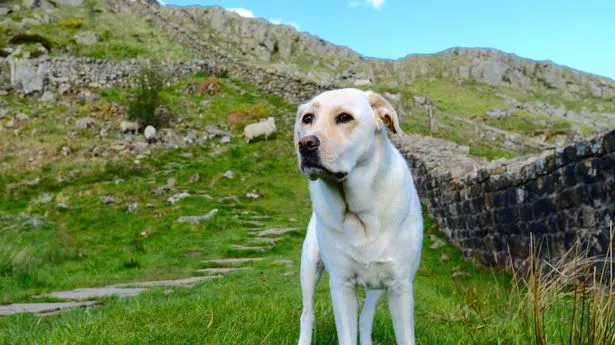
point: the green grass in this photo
(490, 152)
(91, 244)
(472, 101)
(122, 35)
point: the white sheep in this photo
(266, 128)
(128, 126)
(150, 134)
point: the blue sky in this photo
(576, 33)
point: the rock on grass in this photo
(194, 220)
(177, 197)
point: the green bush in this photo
(24, 38)
(71, 24)
(144, 102)
(106, 35)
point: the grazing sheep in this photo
(266, 128)
(150, 134)
(128, 126)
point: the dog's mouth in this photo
(315, 170)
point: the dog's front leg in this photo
(401, 307)
(311, 271)
(345, 309)
(366, 320)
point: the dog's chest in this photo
(375, 275)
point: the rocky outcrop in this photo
(28, 75)
(293, 86)
(497, 68)
(86, 38)
(289, 51)
(48, 4)
(561, 196)
(258, 38)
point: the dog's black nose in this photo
(308, 144)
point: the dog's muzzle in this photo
(310, 160)
(308, 145)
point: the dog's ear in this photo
(384, 112)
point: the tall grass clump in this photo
(143, 104)
(569, 301)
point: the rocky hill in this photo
(497, 104)
(537, 94)
(260, 40)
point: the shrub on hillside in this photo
(24, 38)
(238, 115)
(209, 86)
(147, 98)
(71, 24)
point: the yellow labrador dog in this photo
(366, 226)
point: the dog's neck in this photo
(360, 190)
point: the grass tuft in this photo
(570, 301)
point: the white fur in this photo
(262, 128)
(366, 228)
(129, 126)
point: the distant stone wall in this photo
(560, 196)
(65, 72)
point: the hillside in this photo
(194, 237)
(515, 105)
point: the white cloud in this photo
(377, 4)
(278, 21)
(242, 12)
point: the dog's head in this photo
(339, 129)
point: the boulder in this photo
(44, 4)
(6, 51)
(422, 100)
(64, 88)
(4, 11)
(22, 117)
(362, 82)
(499, 113)
(85, 123)
(86, 38)
(69, 2)
(48, 97)
(30, 77)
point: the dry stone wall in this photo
(560, 196)
(64, 72)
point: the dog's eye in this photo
(343, 118)
(307, 118)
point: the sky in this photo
(576, 33)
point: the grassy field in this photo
(121, 35)
(92, 244)
(83, 242)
